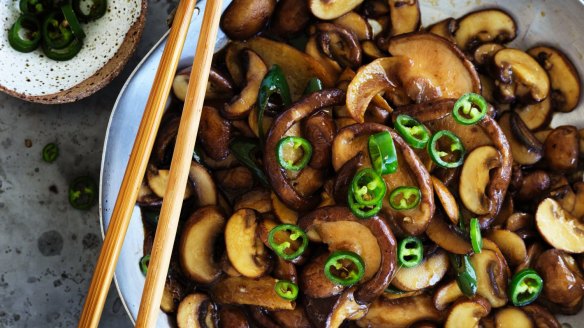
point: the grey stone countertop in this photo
(47, 248)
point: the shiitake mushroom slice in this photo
(245, 18)
(197, 311)
(564, 78)
(536, 116)
(467, 313)
(525, 148)
(405, 16)
(290, 18)
(559, 228)
(489, 25)
(401, 312)
(331, 9)
(424, 275)
(444, 28)
(356, 24)
(484, 53)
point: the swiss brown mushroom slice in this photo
(331, 9)
(347, 307)
(536, 116)
(314, 283)
(492, 274)
(447, 294)
(447, 200)
(245, 18)
(197, 244)
(197, 311)
(513, 317)
(426, 274)
(475, 179)
(447, 236)
(219, 86)
(564, 78)
(489, 25)
(290, 17)
(320, 131)
(483, 55)
(337, 227)
(563, 280)
(526, 149)
(241, 105)
(561, 148)
(356, 24)
(541, 316)
(214, 133)
(203, 185)
(402, 312)
(232, 316)
(411, 172)
(405, 16)
(438, 116)
(157, 180)
(467, 313)
(297, 66)
(339, 43)
(281, 183)
(520, 76)
(440, 69)
(510, 244)
(444, 28)
(559, 228)
(248, 291)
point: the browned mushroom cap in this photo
(238, 179)
(533, 252)
(541, 316)
(518, 75)
(490, 25)
(214, 133)
(411, 172)
(290, 17)
(242, 104)
(467, 313)
(197, 244)
(331, 9)
(257, 199)
(563, 281)
(402, 312)
(559, 228)
(447, 294)
(526, 149)
(345, 176)
(203, 185)
(320, 130)
(381, 75)
(405, 16)
(483, 55)
(339, 43)
(314, 283)
(245, 250)
(561, 148)
(492, 274)
(197, 311)
(336, 226)
(165, 139)
(447, 236)
(565, 196)
(444, 28)
(564, 79)
(277, 175)
(440, 69)
(233, 317)
(428, 273)
(536, 116)
(347, 307)
(356, 24)
(296, 318)
(245, 18)
(242, 290)
(438, 116)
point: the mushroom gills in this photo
(197, 311)
(475, 178)
(559, 228)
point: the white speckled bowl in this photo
(558, 23)
(110, 42)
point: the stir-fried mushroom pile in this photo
(354, 168)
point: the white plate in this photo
(557, 23)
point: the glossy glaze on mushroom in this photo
(355, 169)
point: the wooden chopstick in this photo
(179, 169)
(114, 238)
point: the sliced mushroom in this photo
(563, 281)
(475, 179)
(197, 244)
(314, 283)
(525, 148)
(513, 317)
(405, 16)
(297, 66)
(490, 25)
(483, 54)
(428, 273)
(400, 313)
(158, 182)
(347, 307)
(257, 199)
(219, 86)
(491, 276)
(533, 252)
(232, 317)
(282, 212)
(173, 293)
(214, 133)
(564, 78)
(242, 290)
(559, 228)
(519, 221)
(517, 70)
(301, 109)
(165, 140)
(356, 24)
(242, 104)
(467, 313)
(331, 9)
(203, 185)
(541, 316)
(447, 236)
(245, 18)
(238, 179)
(339, 43)
(447, 294)
(146, 197)
(245, 250)
(371, 50)
(197, 311)
(510, 244)
(381, 75)
(565, 196)
(336, 226)
(290, 17)
(561, 148)
(440, 70)
(534, 185)
(447, 200)
(313, 49)
(296, 318)
(444, 28)
(536, 116)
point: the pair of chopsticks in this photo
(181, 160)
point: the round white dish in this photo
(110, 42)
(556, 23)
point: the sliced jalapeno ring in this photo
(344, 268)
(50, 152)
(368, 187)
(476, 238)
(455, 149)
(273, 83)
(410, 252)
(525, 287)
(362, 211)
(413, 132)
(57, 33)
(34, 7)
(70, 51)
(25, 34)
(97, 9)
(382, 153)
(82, 193)
(293, 153)
(288, 241)
(286, 290)
(72, 20)
(405, 198)
(466, 276)
(469, 109)
(144, 262)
